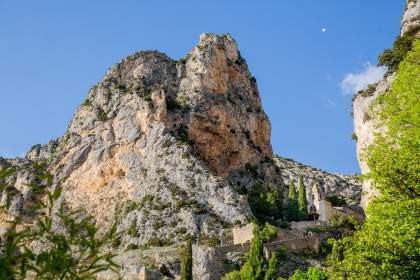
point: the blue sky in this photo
(52, 52)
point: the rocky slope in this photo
(343, 186)
(365, 123)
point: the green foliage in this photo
(256, 267)
(312, 273)
(74, 252)
(338, 221)
(148, 97)
(336, 200)
(271, 273)
(387, 245)
(183, 138)
(6, 172)
(183, 60)
(393, 159)
(302, 202)
(268, 233)
(179, 103)
(186, 265)
(158, 242)
(234, 275)
(281, 252)
(292, 204)
(102, 115)
(132, 230)
(211, 241)
(87, 103)
(172, 105)
(393, 57)
(266, 203)
(354, 136)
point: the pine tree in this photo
(186, 266)
(292, 205)
(302, 202)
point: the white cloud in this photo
(353, 82)
(331, 103)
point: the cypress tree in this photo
(302, 202)
(292, 205)
(186, 265)
(254, 266)
(271, 273)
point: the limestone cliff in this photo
(365, 123)
(166, 143)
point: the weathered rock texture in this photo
(411, 17)
(160, 142)
(365, 123)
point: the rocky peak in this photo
(167, 144)
(208, 98)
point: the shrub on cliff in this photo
(394, 56)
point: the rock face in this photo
(165, 143)
(344, 186)
(411, 17)
(365, 124)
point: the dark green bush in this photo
(172, 105)
(87, 102)
(394, 56)
(102, 115)
(336, 200)
(266, 203)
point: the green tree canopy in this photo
(387, 246)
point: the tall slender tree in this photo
(302, 202)
(292, 205)
(271, 273)
(254, 266)
(186, 266)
